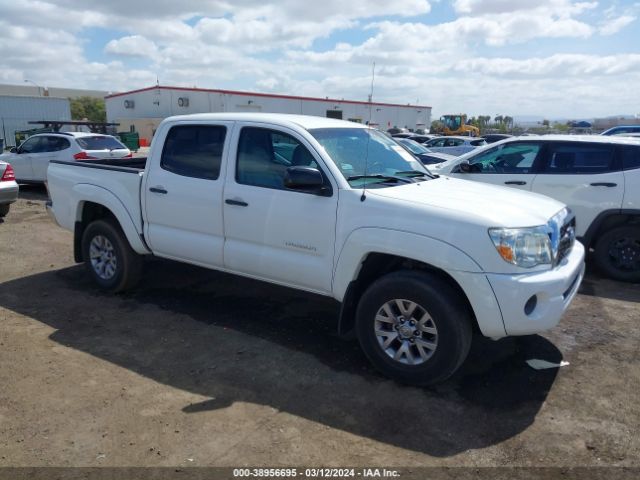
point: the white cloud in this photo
(552, 7)
(560, 65)
(134, 46)
(478, 61)
(614, 25)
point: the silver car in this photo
(454, 145)
(8, 188)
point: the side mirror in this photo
(464, 167)
(13, 150)
(305, 178)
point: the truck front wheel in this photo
(109, 258)
(413, 327)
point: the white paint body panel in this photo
(317, 243)
(32, 167)
(587, 201)
(631, 198)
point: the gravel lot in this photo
(201, 368)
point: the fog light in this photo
(531, 304)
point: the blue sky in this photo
(555, 58)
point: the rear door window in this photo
(580, 158)
(194, 150)
(99, 142)
(55, 144)
(630, 157)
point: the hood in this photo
(446, 166)
(490, 205)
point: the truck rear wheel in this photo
(617, 253)
(4, 209)
(413, 328)
(109, 258)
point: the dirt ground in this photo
(201, 368)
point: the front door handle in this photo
(158, 190)
(604, 184)
(515, 182)
(238, 203)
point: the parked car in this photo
(8, 188)
(418, 261)
(422, 138)
(621, 129)
(426, 156)
(402, 135)
(495, 137)
(597, 177)
(395, 130)
(631, 135)
(454, 145)
(31, 159)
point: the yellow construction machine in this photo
(454, 125)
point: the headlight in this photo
(525, 247)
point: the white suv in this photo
(597, 177)
(31, 159)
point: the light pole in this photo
(39, 88)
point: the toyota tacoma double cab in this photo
(418, 261)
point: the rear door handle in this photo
(238, 203)
(604, 184)
(515, 182)
(158, 190)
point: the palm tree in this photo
(508, 121)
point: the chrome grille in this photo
(567, 238)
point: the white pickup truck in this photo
(418, 261)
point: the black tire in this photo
(446, 311)
(617, 253)
(4, 209)
(128, 264)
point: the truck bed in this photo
(113, 183)
(138, 163)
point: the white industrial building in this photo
(17, 111)
(142, 110)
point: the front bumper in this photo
(8, 192)
(553, 291)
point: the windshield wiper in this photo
(387, 178)
(412, 173)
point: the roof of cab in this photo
(307, 122)
(573, 138)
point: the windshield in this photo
(414, 147)
(359, 152)
(99, 142)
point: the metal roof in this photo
(265, 95)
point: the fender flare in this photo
(85, 192)
(588, 238)
(454, 263)
(363, 241)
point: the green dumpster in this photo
(131, 140)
